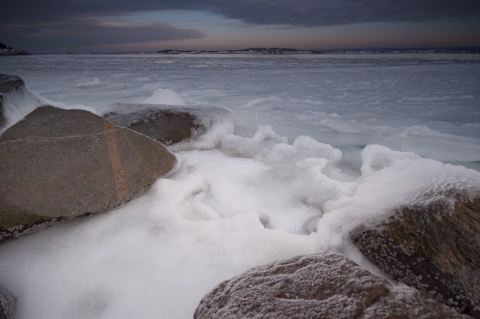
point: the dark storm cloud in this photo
(291, 12)
(84, 32)
(38, 23)
(339, 12)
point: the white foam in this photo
(164, 96)
(93, 83)
(164, 61)
(17, 104)
(217, 121)
(420, 130)
(391, 179)
(215, 217)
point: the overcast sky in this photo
(104, 25)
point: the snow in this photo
(300, 150)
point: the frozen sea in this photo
(317, 144)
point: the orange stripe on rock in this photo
(115, 157)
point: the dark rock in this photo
(61, 164)
(324, 285)
(168, 126)
(2, 119)
(434, 247)
(7, 304)
(8, 83)
(8, 50)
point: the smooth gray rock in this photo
(433, 247)
(61, 164)
(325, 285)
(168, 126)
(7, 304)
(8, 83)
(171, 124)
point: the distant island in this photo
(8, 50)
(335, 51)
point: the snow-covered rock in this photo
(433, 246)
(325, 285)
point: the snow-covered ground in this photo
(320, 144)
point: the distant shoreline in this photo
(280, 51)
(6, 50)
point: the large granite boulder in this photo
(325, 285)
(8, 83)
(167, 124)
(7, 304)
(61, 164)
(434, 247)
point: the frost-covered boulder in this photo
(171, 124)
(324, 285)
(7, 304)
(433, 246)
(8, 83)
(61, 164)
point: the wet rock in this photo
(434, 247)
(8, 83)
(168, 126)
(7, 304)
(325, 285)
(61, 164)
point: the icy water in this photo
(320, 144)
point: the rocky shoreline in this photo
(432, 246)
(8, 50)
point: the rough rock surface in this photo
(7, 304)
(62, 164)
(325, 285)
(434, 247)
(8, 83)
(168, 126)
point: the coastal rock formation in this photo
(7, 304)
(8, 83)
(8, 50)
(325, 285)
(434, 247)
(169, 124)
(61, 164)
